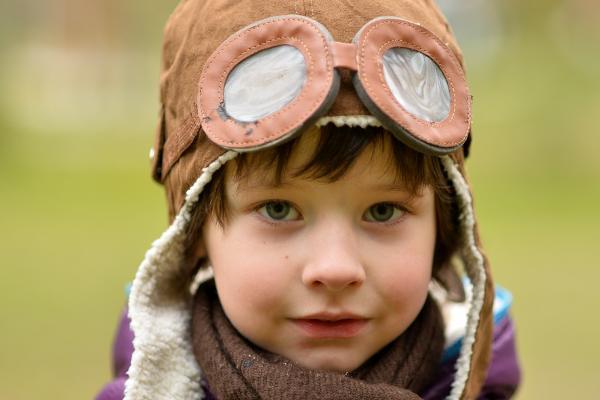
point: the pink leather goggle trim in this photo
(379, 35)
(296, 31)
(322, 56)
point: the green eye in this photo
(278, 211)
(383, 212)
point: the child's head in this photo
(323, 241)
(342, 221)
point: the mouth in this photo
(331, 326)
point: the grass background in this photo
(78, 208)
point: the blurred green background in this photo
(78, 105)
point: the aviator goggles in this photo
(270, 80)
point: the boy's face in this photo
(323, 273)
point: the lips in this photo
(331, 326)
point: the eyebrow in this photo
(397, 188)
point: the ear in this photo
(197, 261)
(199, 249)
(451, 281)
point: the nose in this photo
(334, 262)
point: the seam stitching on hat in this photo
(177, 143)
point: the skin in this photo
(362, 245)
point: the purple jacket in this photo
(502, 380)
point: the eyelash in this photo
(272, 222)
(395, 221)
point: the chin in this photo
(331, 362)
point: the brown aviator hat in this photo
(204, 41)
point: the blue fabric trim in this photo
(504, 299)
(452, 351)
(502, 302)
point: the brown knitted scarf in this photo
(237, 369)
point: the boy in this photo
(312, 158)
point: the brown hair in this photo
(336, 151)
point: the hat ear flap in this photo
(159, 310)
(475, 352)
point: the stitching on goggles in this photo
(322, 58)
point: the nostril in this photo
(334, 278)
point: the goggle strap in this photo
(344, 55)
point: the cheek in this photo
(406, 280)
(250, 274)
(402, 272)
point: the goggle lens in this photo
(264, 83)
(417, 83)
